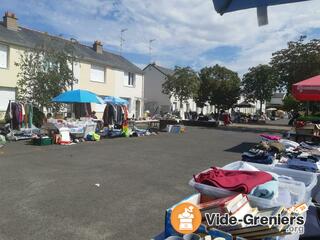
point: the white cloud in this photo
(184, 30)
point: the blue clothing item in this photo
(303, 165)
(267, 190)
(115, 133)
(259, 158)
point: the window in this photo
(3, 56)
(187, 107)
(129, 79)
(175, 106)
(97, 74)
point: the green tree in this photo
(183, 84)
(45, 72)
(290, 103)
(203, 92)
(221, 86)
(259, 84)
(297, 62)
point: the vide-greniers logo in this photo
(186, 218)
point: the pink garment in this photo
(270, 137)
(233, 180)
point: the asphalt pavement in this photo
(112, 189)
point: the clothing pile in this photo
(264, 153)
(137, 132)
(304, 156)
(250, 181)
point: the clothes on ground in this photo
(303, 165)
(115, 133)
(267, 137)
(304, 156)
(288, 143)
(233, 180)
(259, 156)
(310, 145)
(277, 147)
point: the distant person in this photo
(226, 118)
(212, 116)
(295, 116)
(49, 118)
(263, 116)
(93, 115)
(238, 117)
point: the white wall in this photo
(6, 94)
(133, 93)
(276, 101)
(153, 80)
(252, 110)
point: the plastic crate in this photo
(309, 179)
(42, 141)
(295, 189)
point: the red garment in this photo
(226, 119)
(233, 180)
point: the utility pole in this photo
(150, 49)
(122, 39)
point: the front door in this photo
(137, 109)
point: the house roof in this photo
(31, 39)
(163, 70)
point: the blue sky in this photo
(186, 32)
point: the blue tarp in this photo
(224, 6)
(78, 96)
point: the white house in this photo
(276, 100)
(96, 70)
(156, 101)
(131, 89)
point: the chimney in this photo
(97, 46)
(10, 21)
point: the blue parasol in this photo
(78, 96)
(115, 100)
